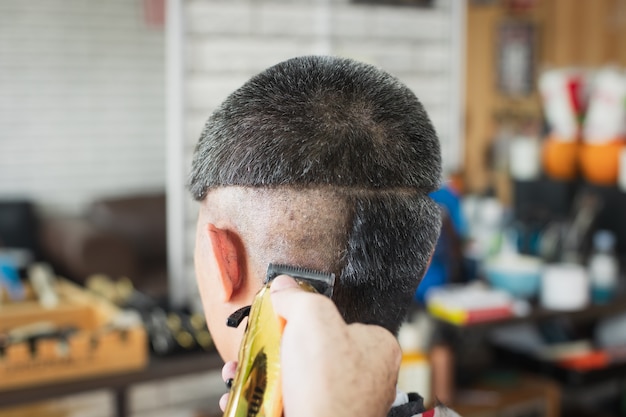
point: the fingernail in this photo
(229, 383)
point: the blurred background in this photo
(523, 310)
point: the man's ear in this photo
(229, 255)
(430, 259)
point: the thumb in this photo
(281, 283)
(285, 293)
(291, 302)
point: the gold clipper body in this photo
(257, 390)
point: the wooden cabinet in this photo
(579, 33)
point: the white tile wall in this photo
(222, 18)
(210, 55)
(227, 42)
(81, 101)
(289, 21)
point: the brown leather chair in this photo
(119, 236)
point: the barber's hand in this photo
(330, 368)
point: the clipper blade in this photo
(323, 282)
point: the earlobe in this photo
(226, 251)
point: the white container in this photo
(606, 114)
(525, 158)
(564, 287)
(415, 370)
(557, 102)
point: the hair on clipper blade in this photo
(256, 391)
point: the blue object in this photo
(438, 271)
(447, 198)
(10, 280)
(521, 280)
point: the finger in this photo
(372, 338)
(373, 335)
(224, 401)
(228, 370)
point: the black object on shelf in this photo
(612, 214)
(566, 376)
(545, 200)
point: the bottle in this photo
(603, 267)
(415, 374)
(442, 364)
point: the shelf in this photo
(519, 360)
(590, 313)
(157, 369)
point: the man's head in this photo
(323, 163)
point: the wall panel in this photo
(571, 33)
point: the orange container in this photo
(586, 362)
(599, 162)
(560, 158)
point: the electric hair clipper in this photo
(257, 390)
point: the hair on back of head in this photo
(328, 122)
(314, 121)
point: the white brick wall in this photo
(227, 42)
(81, 101)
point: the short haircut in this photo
(349, 127)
